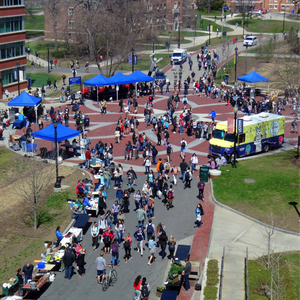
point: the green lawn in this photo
(259, 277)
(144, 62)
(271, 193)
(266, 26)
(213, 24)
(38, 79)
(185, 33)
(35, 22)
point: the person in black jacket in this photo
(68, 259)
(80, 263)
(163, 239)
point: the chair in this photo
(31, 147)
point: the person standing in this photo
(80, 263)
(145, 289)
(127, 247)
(68, 259)
(183, 145)
(163, 239)
(141, 216)
(183, 168)
(139, 235)
(121, 103)
(152, 246)
(27, 272)
(169, 151)
(201, 186)
(186, 272)
(194, 160)
(115, 253)
(95, 234)
(88, 158)
(172, 244)
(101, 264)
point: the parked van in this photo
(250, 40)
(178, 55)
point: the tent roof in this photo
(118, 79)
(98, 80)
(25, 100)
(139, 76)
(253, 77)
(63, 133)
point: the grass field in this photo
(266, 26)
(35, 22)
(271, 193)
(38, 79)
(290, 271)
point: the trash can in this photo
(6, 290)
(204, 173)
(224, 33)
(43, 152)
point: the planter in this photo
(214, 173)
(158, 294)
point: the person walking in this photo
(137, 287)
(183, 145)
(115, 253)
(186, 272)
(101, 264)
(141, 216)
(95, 235)
(183, 168)
(201, 186)
(152, 247)
(127, 247)
(169, 151)
(139, 235)
(172, 245)
(163, 239)
(145, 289)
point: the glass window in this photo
(71, 24)
(271, 6)
(219, 134)
(12, 50)
(8, 75)
(8, 27)
(287, 7)
(2, 27)
(3, 53)
(275, 6)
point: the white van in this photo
(178, 55)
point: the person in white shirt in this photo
(183, 145)
(194, 160)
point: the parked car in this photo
(257, 12)
(250, 40)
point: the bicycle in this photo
(109, 279)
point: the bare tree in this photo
(31, 188)
(53, 7)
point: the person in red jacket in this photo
(88, 158)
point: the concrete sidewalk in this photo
(236, 232)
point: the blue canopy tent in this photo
(63, 133)
(139, 76)
(253, 77)
(26, 100)
(98, 80)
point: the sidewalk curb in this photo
(248, 217)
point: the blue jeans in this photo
(193, 166)
(181, 129)
(68, 271)
(115, 258)
(110, 224)
(163, 252)
(147, 168)
(183, 175)
(154, 159)
(186, 282)
(26, 278)
(141, 223)
(117, 181)
(87, 163)
(120, 235)
(116, 217)
(67, 123)
(151, 212)
(106, 183)
(24, 146)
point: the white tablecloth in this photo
(77, 232)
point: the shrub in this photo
(210, 293)
(212, 275)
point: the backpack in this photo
(154, 152)
(127, 244)
(150, 229)
(170, 194)
(187, 176)
(201, 186)
(144, 291)
(167, 167)
(169, 149)
(183, 144)
(106, 239)
(114, 248)
(161, 167)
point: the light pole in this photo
(235, 110)
(236, 50)
(152, 45)
(179, 37)
(57, 183)
(18, 74)
(48, 59)
(209, 34)
(195, 24)
(132, 59)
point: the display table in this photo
(169, 295)
(94, 210)
(39, 279)
(183, 251)
(82, 220)
(73, 232)
(18, 123)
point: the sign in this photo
(29, 82)
(230, 124)
(199, 16)
(201, 22)
(240, 126)
(274, 128)
(225, 7)
(135, 59)
(15, 75)
(75, 80)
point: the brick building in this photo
(162, 14)
(12, 46)
(271, 5)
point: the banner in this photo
(240, 126)
(75, 80)
(230, 125)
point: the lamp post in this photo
(48, 47)
(132, 59)
(235, 110)
(236, 50)
(152, 45)
(195, 24)
(209, 33)
(18, 74)
(57, 183)
(179, 37)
